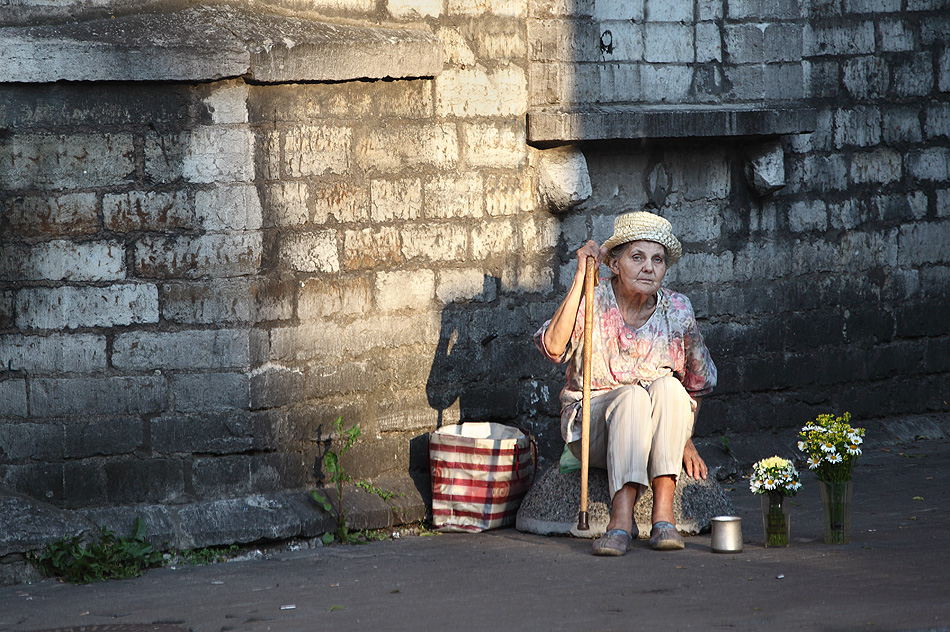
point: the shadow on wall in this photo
(462, 367)
(486, 367)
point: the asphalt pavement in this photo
(892, 576)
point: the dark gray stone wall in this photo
(830, 294)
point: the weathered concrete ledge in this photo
(27, 524)
(212, 42)
(623, 122)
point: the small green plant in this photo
(107, 557)
(375, 535)
(425, 531)
(336, 474)
(385, 494)
(209, 555)
(724, 445)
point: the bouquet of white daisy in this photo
(832, 446)
(776, 478)
(774, 475)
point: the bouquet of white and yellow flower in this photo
(832, 446)
(774, 475)
(776, 478)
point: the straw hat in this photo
(646, 226)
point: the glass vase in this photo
(836, 507)
(776, 518)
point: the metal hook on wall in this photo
(607, 43)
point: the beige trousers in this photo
(637, 434)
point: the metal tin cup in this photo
(726, 534)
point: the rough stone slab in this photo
(550, 507)
(15, 570)
(550, 126)
(327, 52)
(406, 503)
(160, 529)
(211, 43)
(362, 510)
(242, 520)
(27, 524)
(913, 427)
(54, 53)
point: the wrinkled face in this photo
(640, 268)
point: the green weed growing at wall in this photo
(108, 556)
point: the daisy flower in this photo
(774, 475)
(831, 446)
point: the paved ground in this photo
(893, 576)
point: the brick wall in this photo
(650, 52)
(196, 280)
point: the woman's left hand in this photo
(693, 463)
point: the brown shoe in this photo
(665, 537)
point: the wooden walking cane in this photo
(590, 280)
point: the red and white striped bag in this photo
(480, 472)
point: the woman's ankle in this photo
(620, 524)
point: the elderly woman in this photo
(649, 371)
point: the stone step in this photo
(28, 524)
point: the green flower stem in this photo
(775, 520)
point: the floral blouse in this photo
(669, 343)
